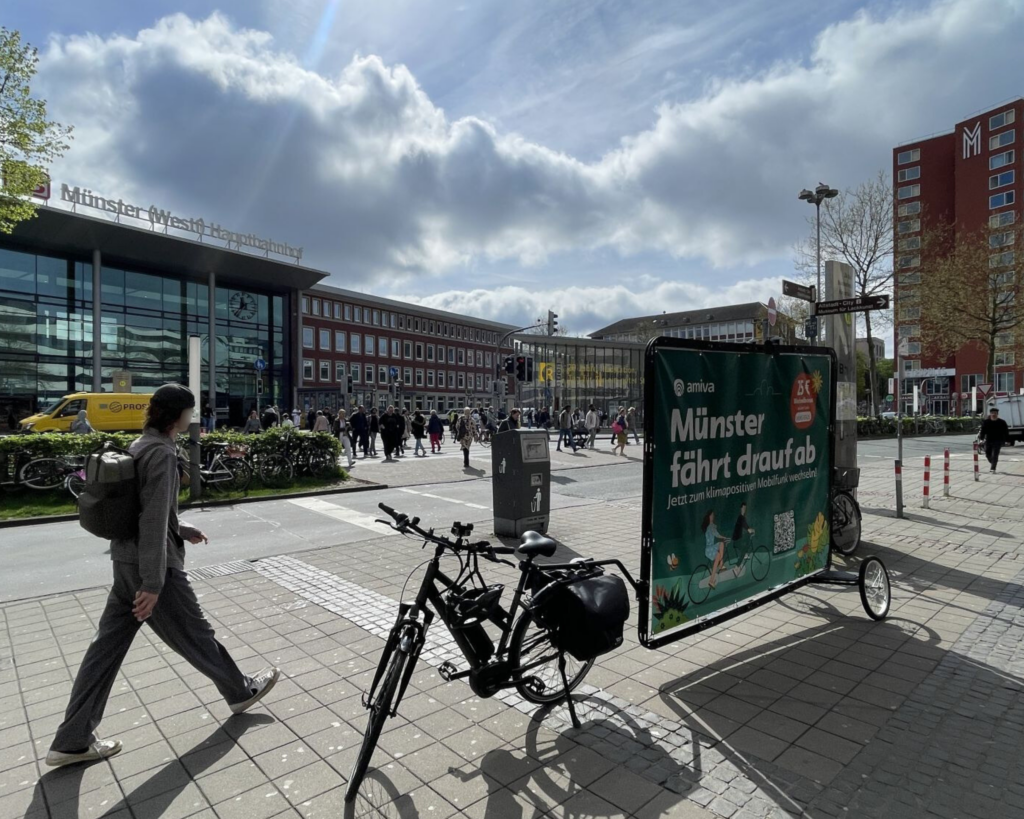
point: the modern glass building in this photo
(580, 372)
(81, 298)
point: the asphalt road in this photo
(59, 557)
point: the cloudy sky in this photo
(600, 157)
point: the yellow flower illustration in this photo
(816, 381)
(816, 533)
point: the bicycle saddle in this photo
(533, 543)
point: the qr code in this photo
(785, 531)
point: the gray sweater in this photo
(160, 544)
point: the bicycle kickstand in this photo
(568, 693)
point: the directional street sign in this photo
(798, 291)
(854, 305)
(260, 364)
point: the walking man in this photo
(994, 432)
(565, 428)
(390, 432)
(151, 586)
(592, 422)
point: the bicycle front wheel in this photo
(759, 562)
(698, 588)
(534, 656)
(379, 710)
(276, 470)
(241, 474)
(845, 523)
(43, 473)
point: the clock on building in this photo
(242, 305)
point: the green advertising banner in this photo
(736, 478)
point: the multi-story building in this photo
(734, 322)
(966, 178)
(394, 352)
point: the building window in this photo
(1001, 120)
(305, 305)
(1000, 160)
(909, 173)
(357, 346)
(999, 140)
(913, 155)
(337, 309)
(458, 331)
(416, 324)
(1005, 277)
(1004, 339)
(910, 243)
(307, 369)
(393, 321)
(368, 345)
(999, 179)
(382, 347)
(340, 371)
(325, 339)
(462, 380)
(910, 313)
(998, 220)
(913, 348)
(401, 322)
(357, 373)
(407, 375)
(368, 373)
(419, 351)
(440, 373)
(431, 328)
(451, 380)
(348, 312)
(479, 358)
(911, 365)
(1004, 382)
(382, 375)
(1004, 359)
(462, 356)
(909, 226)
(376, 318)
(969, 381)
(430, 378)
(357, 314)
(1002, 239)
(909, 191)
(909, 209)
(997, 200)
(339, 341)
(479, 382)
(909, 330)
(1003, 259)
(316, 307)
(440, 354)
(325, 370)
(407, 348)
(307, 337)
(909, 261)
(430, 352)
(489, 360)
(396, 347)
(451, 355)
(419, 378)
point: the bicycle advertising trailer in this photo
(738, 483)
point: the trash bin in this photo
(521, 470)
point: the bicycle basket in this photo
(586, 613)
(846, 477)
(472, 606)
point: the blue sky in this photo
(604, 159)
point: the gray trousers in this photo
(177, 620)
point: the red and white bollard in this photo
(927, 478)
(976, 476)
(945, 474)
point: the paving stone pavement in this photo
(802, 707)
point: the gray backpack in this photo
(109, 504)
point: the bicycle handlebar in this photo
(403, 523)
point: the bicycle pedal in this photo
(448, 671)
(536, 685)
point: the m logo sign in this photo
(972, 140)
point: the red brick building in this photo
(968, 178)
(411, 356)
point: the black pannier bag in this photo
(586, 614)
(109, 504)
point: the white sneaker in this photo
(261, 684)
(100, 749)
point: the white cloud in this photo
(362, 167)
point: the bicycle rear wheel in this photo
(379, 710)
(43, 473)
(698, 587)
(241, 474)
(75, 483)
(531, 645)
(759, 562)
(276, 470)
(845, 523)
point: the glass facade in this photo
(581, 372)
(46, 333)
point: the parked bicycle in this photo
(572, 609)
(845, 522)
(223, 466)
(49, 473)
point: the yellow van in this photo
(107, 412)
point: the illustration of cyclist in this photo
(714, 546)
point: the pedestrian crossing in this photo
(343, 514)
(443, 498)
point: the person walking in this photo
(360, 429)
(464, 431)
(435, 429)
(343, 430)
(619, 433)
(633, 424)
(510, 423)
(565, 428)
(204, 418)
(252, 424)
(419, 432)
(592, 423)
(287, 422)
(311, 418)
(150, 586)
(321, 424)
(81, 425)
(403, 435)
(994, 433)
(296, 417)
(372, 431)
(390, 432)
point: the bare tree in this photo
(856, 228)
(970, 293)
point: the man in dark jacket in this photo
(373, 429)
(361, 429)
(994, 432)
(510, 423)
(390, 432)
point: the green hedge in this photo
(868, 427)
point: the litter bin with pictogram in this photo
(521, 481)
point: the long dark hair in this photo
(707, 520)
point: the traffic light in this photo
(529, 369)
(259, 386)
(499, 388)
(521, 368)
(552, 323)
(349, 387)
(510, 364)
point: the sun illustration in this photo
(816, 382)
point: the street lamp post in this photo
(816, 197)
